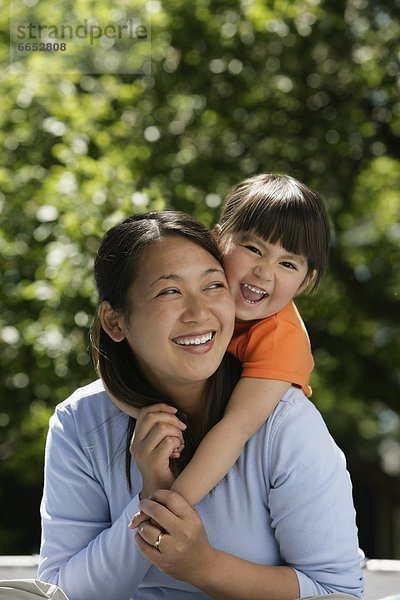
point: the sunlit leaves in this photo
(310, 88)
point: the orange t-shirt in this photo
(276, 347)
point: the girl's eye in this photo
(289, 265)
(253, 249)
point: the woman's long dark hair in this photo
(115, 269)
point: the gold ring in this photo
(158, 541)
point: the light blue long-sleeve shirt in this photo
(287, 501)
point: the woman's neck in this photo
(189, 399)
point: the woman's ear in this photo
(112, 322)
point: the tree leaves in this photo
(309, 88)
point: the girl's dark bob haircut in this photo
(280, 209)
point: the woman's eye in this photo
(168, 292)
(215, 285)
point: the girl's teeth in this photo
(253, 289)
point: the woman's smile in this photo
(196, 341)
(182, 314)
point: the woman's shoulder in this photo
(295, 416)
(294, 401)
(294, 437)
(93, 391)
(87, 404)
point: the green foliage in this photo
(235, 88)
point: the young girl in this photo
(274, 236)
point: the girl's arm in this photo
(308, 500)
(250, 405)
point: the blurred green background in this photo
(235, 88)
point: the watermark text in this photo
(84, 30)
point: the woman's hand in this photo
(157, 438)
(175, 541)
(183, 550)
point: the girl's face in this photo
(262, 277)
(181, 315)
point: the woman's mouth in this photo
(194, 340)
(252, 294)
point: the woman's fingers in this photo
(151, 418)
(149, 532)
(162, 442)
(176, 453)
(166, 508)
(137, 518)
(161, 431)
(145, 543)
(159, 407)
(174, 538)
(157, 433)
(157, 438)
(173, 501)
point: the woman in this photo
(280, 524)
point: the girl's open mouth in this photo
(252, 294)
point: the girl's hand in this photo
(183, 551)
(157, 438)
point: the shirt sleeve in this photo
(278, 349)
(311, 503)
(82, 552)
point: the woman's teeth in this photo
(194, 341)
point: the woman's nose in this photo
(195, 309)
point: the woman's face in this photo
(181, 315)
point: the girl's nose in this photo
(263, 272)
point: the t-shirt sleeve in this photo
(310, 501)
(278, 349)
(82, 552)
